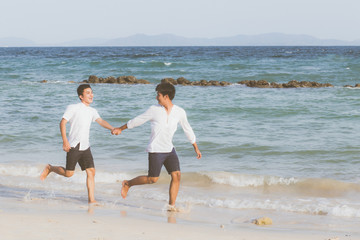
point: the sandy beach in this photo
(37, 219)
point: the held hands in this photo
(116, 131)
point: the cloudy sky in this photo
(56, 21)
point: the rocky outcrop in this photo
(356, 86)
(118, 80)
(185, 82)
(291, 84)
(132, 80)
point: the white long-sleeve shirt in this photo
(163, 127)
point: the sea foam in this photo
(246, 180)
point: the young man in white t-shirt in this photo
(164, 119)
(80, 116)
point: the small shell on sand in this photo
(262, 221)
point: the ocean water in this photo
(289, 152)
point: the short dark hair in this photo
(166, 89)
(81, 88)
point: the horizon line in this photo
(145, 40)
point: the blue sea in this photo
(286, 153)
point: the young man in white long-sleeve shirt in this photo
(164, 119)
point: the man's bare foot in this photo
(45, 172)
(124, 189)
(172, 208)
(94, 203)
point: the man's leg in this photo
(71, 160)
(155, 163)
(140, 180)
(174, 187)
(90, 183)
(56, 169)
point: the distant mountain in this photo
(16, 42)
(269, 39)
(85, 42)
(356, 43)
(278, 39)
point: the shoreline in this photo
(44, 219)
(55, 200)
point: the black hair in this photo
(166, 89)
(81, 88)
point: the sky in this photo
(57, 21)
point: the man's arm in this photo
(187, 128)
(189, 134)
(104, 124)
(66, 144)
(198, 153)
(135, 122)
(117, 131)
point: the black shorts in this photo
(157, 160)
(84, 158)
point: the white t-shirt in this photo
(80, 118)
(163, 127)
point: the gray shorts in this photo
(157, 160)
(84, 158)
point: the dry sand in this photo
(27, 220)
